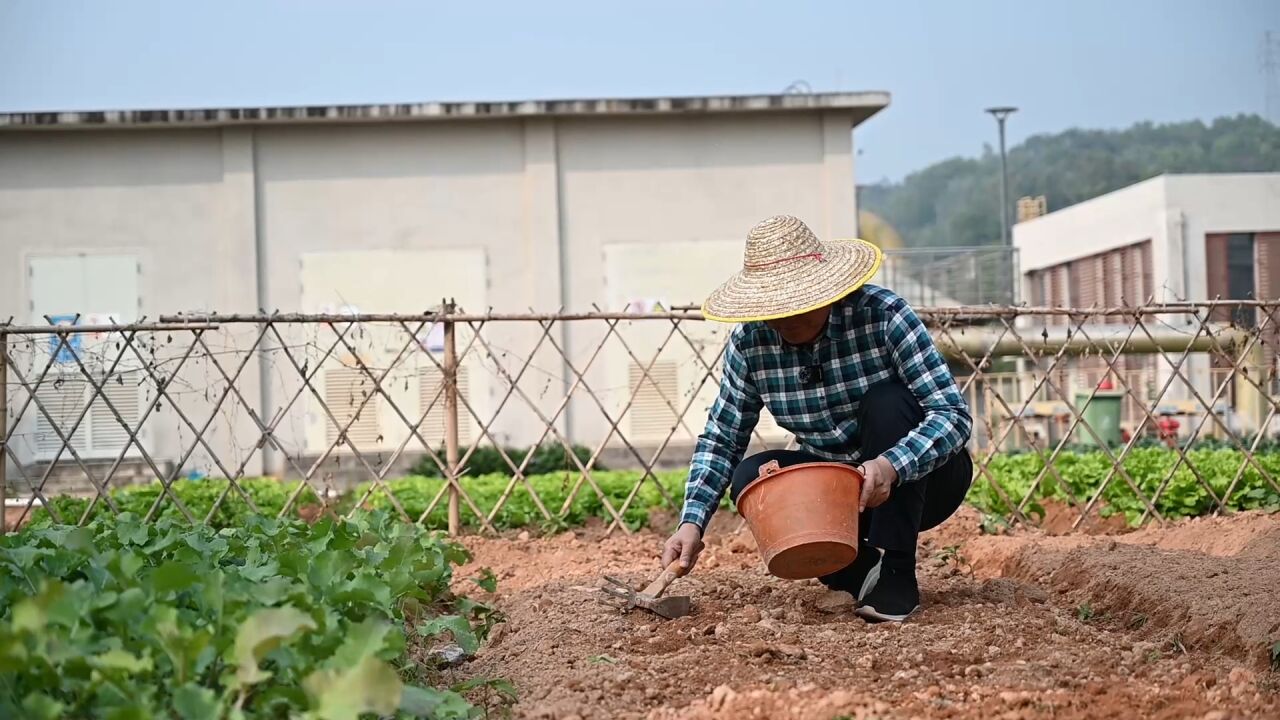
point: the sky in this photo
(1081, 63)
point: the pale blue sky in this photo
(1089, 63)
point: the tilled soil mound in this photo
(1211, 584)
(1013, 627)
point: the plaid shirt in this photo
(872, 336)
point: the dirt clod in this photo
(834, 601)
(720, 696)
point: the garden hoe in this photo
(651, 598)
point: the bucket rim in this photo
(742, 494)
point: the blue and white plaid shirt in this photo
(873, 336)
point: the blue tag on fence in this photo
(65, 353)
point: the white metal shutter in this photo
(650, 416)
(344, 391)
(63, 398)
(107, 434)
(430, 382)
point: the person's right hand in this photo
(685, 544)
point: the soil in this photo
(1162, 623)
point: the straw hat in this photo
(787, 271)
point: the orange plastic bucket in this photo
(804, 517)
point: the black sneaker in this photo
(859, 577)
(893, 599)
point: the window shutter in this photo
(63, 399)
(1215, 250)
(1267, 247)
(1082, 282)
(1059, 282)
(344, 390)
(1148, 275)
(430, 382)
(650, 417)
(107, 435)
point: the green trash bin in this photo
(1103, 415)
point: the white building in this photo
(1171, 238)
(392, 208)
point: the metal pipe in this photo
(564, 272)
(1001, 114)
(979, 342)
(262, 277)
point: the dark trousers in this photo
(886, 414)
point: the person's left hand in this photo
(878, 477)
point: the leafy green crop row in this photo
(1082, 472)
(198, 496)
(127, 620)
(487, 460)
(1183, 496)
(416, 493)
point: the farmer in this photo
(850, 370)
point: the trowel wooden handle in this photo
(659, 586)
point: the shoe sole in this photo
(870, 614)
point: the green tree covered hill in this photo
(953, 203)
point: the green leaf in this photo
(210, 597)
(55, 604)
(275, 590)
(25, 557)
(129, 564)
(436, 704)
(129, 530)
(196, 703)
(366, 639)
(13, 653)
(457, 625)
(372, 686)
(128, 606)
(121, 661)
(366, 589)
(487, 580)
(499, 686)
(39, 706)
(173, 577)
(263, 632)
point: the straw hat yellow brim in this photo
(796, 286)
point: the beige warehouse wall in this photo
(538, 198)
(696, 179)
(389, 189)
(163, 194)
(180, 202)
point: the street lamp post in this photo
(1000, 114)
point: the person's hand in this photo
(878, 477)
(685, 544)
